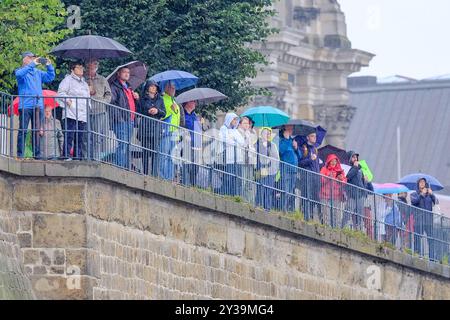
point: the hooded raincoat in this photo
(332, 189)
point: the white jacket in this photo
(71, 87)
(230, 140)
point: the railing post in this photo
(11, 129)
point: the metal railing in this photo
(247, 169)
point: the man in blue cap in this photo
(31, 107)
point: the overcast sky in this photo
(409, 37)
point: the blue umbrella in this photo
(181, 79)
(389, 188)
(411, 180)
(266, 116)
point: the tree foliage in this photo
(206, 37)
(26, 25)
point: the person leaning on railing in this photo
(356, 196)
(98, 117)
(192, 143)
(52, 140)
(247, 158)
(309, 176)
(74, 97)
(333, 191)
(151, 105)
(289, 154)
(267, 167)
(169, 133)
(122, 119)
(230, 142)
(425, 199)
(31, 109)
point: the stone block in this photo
(59, 231)
(59, 257)
(25, 240)
(49, 197)
(31, 256)
(58, 287)
(46, 257)
(235, 241)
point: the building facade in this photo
(309, 62)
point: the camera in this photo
(42, 60)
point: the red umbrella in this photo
(49, 101)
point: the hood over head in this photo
(350, 154)
(330, 158)
(229, 118)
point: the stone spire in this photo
(310, 60)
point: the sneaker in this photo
(68, 159)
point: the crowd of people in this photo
(243, 161)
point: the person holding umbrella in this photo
(425, 199)
(75, 111)
(152, 107)
(100, 91)
(31, 109)
(122, 119)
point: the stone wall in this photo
(14, 283)
(94, 232)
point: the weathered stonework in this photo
(309, 62)
(120, 241)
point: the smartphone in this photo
(42, 61)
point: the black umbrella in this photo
(301, 127)
(138, 74)
(329, 149)
(90, 47)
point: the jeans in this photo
(74, 132)
(36, 116)
(123, 131)
(99, 131)
(166, 168)
(288, 177)
(231, 180)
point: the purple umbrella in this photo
(138, 74)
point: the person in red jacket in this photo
(332, 190)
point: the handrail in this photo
(224, 171)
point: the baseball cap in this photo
(28, 54)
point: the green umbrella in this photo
(266, 116)
(366, 170)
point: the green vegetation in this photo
(356, 234)
(27, 26)
(206, 37)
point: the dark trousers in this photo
(189, 177)
(310, 187)
(265, 192)
(74, 132)
(150, 156)
(36, 116)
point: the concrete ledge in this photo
(219, 204)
